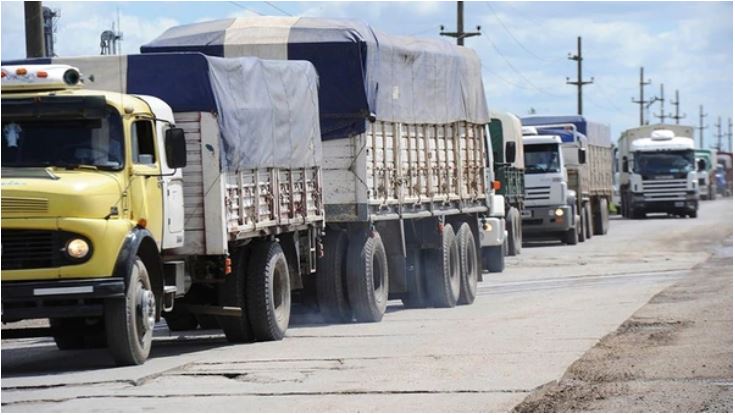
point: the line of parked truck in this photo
(235, 162)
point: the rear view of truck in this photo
(407, 200)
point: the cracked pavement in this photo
(528, 325)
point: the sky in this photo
(524, 47)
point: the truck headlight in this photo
(77, 248)
(559, 212)
(487, 226)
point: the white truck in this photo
(409, 203)
(567, 194)
(657, 171)
(706, 163)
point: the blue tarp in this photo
(597, 133)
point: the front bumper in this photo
(495, 235)
(58, 299)
(538, 221)
(688, 204)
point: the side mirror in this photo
(510, 152)
(701, 165)
(582, 156)
(625, 165)
(175, 148)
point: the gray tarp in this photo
(268, 111)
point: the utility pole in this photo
(642, 101)
(35, 47)
(675, 103)
(460, 34)
(701, 127)
(729, 135)
(719, 133)
(579, 82)
(662, 115)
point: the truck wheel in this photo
(570, 236)
(581, 225)
(367, 277)
(692, 213)
(180, 320)
(129, 321)
(268, 292)
(78, 333)
(588, 223)
(442, 266)
(493, 259)
(415, 295)
(232, 294)
(331, 277)
(514, 237)
(469, 265)
(601, 221)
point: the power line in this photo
(519, 72)
(244, 7)
(278, 8)
(513, 36)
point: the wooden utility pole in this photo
(662, 116)
(35, 45)
(460, 34)
(642, 100)
(579, 82)
(701, 127)
(676, 117)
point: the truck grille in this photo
(30, 249)
(664, 190)
(538, 193)
(15, 205)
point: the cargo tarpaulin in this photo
(362, 72)
(267, 110)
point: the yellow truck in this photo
(112, 201)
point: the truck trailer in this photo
(407, 161)
(705, 161)
(657, 171)
(571, 190)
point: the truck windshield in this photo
(541, 158)
(63, 142)
(664, 162)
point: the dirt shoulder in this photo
(673, 355)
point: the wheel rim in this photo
(281, 295)
(145, 305)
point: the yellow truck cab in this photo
(92, 192)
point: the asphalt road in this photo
(529, 324)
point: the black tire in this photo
(469, 265)
(78, 333)
(268, 292)
(331, 278)
(581, 225)
(179, 319)
(602, 220)
(512, 221)
(570, 236)
(493, 258)
(232, 294)
(129, 321)
(443, 274)
(693, 214)
(415, 295)
(367, 277)
(588, 222)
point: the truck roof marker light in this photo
(142, 223)
(42, 74)
(3, 74)
(497, 185)
(228, 266)
(21, 71)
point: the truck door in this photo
(172, 183)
